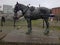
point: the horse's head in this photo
(16, 8)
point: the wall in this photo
(56, 11)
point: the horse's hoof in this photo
(0, 30)
(28, 33)
(46, 33)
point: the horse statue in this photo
(32, 13)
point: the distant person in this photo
(2, 20)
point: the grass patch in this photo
(55, 27)
(37, 23)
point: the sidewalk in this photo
(2, 35)
(37, 36)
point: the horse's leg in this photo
(43, 23)
(47, 27)
(14, 22)
(1, 26)
(29, 26)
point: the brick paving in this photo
(37, 36)
(2, 35)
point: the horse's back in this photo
(41, 10)
(32, 8)
(45, 10)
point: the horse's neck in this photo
(24, 9)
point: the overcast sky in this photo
(44, 3)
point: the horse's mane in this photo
(22, 5)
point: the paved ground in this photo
(37, 36)
(2, 35)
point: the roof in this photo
(56, 8)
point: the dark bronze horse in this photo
(32, 13)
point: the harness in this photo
(31, 9)
(25, 10)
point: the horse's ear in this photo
(17, 3)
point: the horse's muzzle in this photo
(15, 14)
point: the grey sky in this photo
(44, 3)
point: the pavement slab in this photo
(37, 36)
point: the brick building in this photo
(56, 11)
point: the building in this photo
(56, 11)
(7, 9)
(1, 8)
